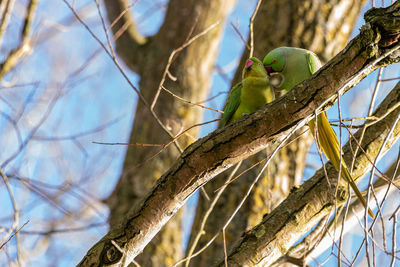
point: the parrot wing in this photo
(232, 103)
(313, 65)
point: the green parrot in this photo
(253, 92)
(289, 66)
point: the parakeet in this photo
(253, 92)
(289, 66)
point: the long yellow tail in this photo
(330, 146)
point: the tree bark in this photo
(376, 46)
(322, 27)
(148, 56)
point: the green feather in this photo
(232, 103)
(296, 65)
(253, 92)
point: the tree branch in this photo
(24, 47)
(216, 152)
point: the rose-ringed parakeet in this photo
(253, 92)
(292, 66)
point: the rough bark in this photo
(307, 205)
(216, 152)
(321, 26)
(148, 56)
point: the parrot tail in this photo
(330, 146)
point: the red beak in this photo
(248, 65)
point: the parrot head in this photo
(275, 61)
(254, 68)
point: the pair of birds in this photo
(284, 68)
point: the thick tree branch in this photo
(305, 206)
(221, 149)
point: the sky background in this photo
(95, 104)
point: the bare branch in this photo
(129, 42)
(207, 214)
(5, 16)
(24, 47)
(252, 28)
(117, 64)
(172, 56)
(16, 218)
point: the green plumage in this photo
(293, 66)
(253, 92)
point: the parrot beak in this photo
(268, 69)
(248, 65)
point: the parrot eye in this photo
(274, 61)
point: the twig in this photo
(383, 176)
(339, 176)
(116, 62)
(370, 185)
(389, 79)
(170, 142)
(5, 16)
(370, 109)
(120, 16)
(16, 54)
(225, 253)
(103, 24)
(240, 35)
(76, 135)
(16, 217)
(14, 234)
(34, 130)
(251, 28)
(128, 144)
(171, 58)
(207, 214)
(317, 233)
(394, 236)
(258, 163)
(189, 102)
